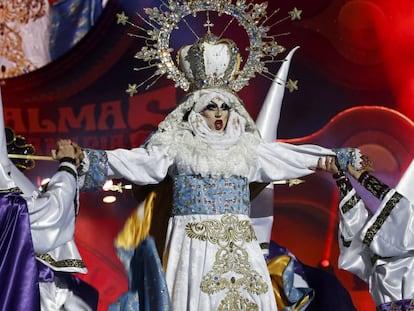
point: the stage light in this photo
(325, 263)
(109, 199)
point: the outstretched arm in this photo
(138, 165)
(280, 161)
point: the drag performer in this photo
(377, 247)
(210, 149)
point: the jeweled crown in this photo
(210, 62)
(199, 66)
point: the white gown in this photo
(212, 258)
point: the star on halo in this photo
(295, 14)
(132, 89)
(292, 85)
(122, 18)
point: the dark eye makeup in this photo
(213, 106)
(224, 106)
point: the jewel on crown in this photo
(210, 62)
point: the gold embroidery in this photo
(374, 185)
(389, 206)
(77, 263)
(350, 203)
(231, 270)
(13, 15)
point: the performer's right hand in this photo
(366, 164)
(328, 164)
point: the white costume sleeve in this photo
(52, 212)
(278, 161)
(353, 215)
(354, 255)
(387, 233)
(390, 232)
(381, 253)
(139, 165)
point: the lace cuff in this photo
(93, 169)
(345, 156)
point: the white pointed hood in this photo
(268, 119)
(267, 123)
(6, 181)
(406, 184)
(10, 175)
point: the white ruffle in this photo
(193, 156)
(219, 140)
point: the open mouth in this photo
(218, 125)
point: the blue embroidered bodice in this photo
(212, 195)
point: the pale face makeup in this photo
(216, 114)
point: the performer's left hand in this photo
(64, 149)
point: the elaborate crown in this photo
(211, 61)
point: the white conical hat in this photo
(406, 184)
(267, 123)
(4, 159)
(269, 115)
(268, 119)
(10, 175)
(6, 181)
